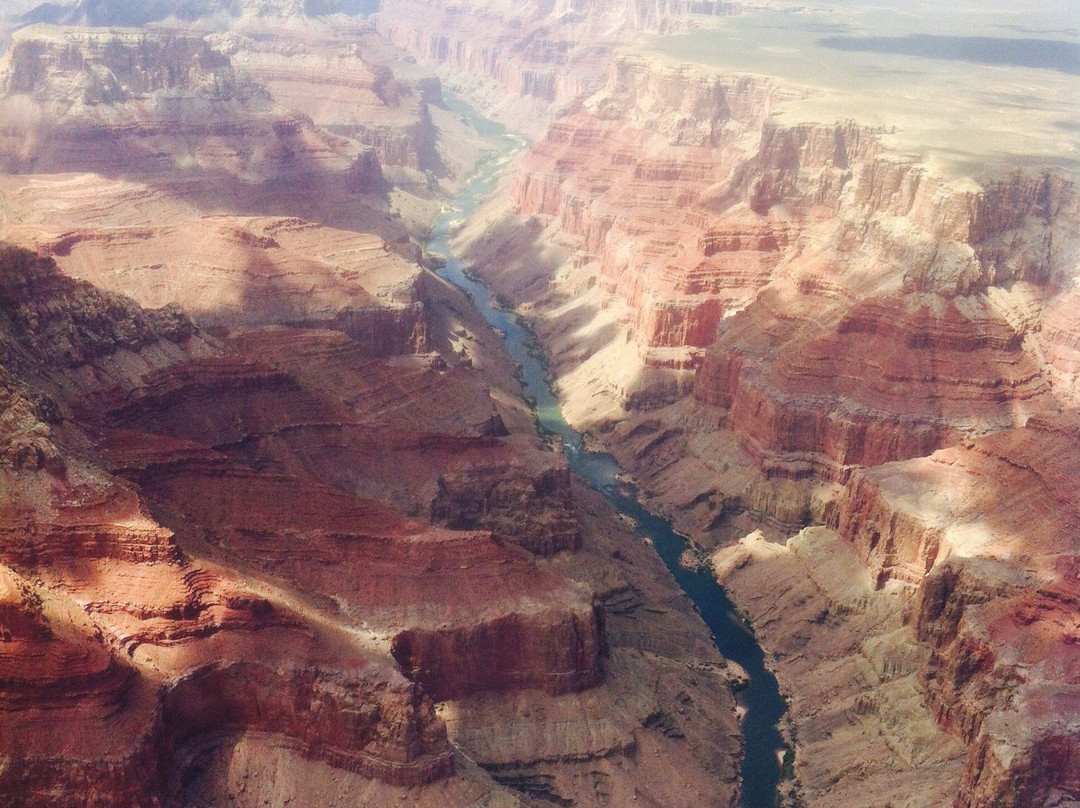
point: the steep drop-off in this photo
(280, 526)
(757, 317)
(517, 59)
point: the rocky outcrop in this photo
(774, 324)
(849, 669)
(118, 648)
(160, 103)
(982, 530)
(655, 185)
(344, 84)
(538, 513)
(203, 571)
(454, 663)
(833, 304)
(658, 731)
(462, 613)
(535, 53)
(49, 317)
(234, 272)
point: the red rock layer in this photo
(896, 377)
(845, 308)
(505, 624)
(236, 272)
(644, 177)
(546, 51)
(123, 97)
(844, 305)
(101, 607)
(985, 532)
(138, 650)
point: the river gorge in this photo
(580, 403)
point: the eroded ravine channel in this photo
(761, 770)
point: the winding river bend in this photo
(761, 698)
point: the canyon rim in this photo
(280, 524)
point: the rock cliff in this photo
(120, 648)
(983, 531)
(174, 576)
(279, 516)
(99, 100)
(759, 317)
(539, 52)
(270, 508)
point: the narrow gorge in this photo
(757, 692)
(705, 431)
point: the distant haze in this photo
(966, 84)
(985, 50)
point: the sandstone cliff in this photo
(194, 583)
(265, 543)
(758, 317)
(120, 647)
(537, 53)
(985, 532)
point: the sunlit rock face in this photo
(280, 526)
(775, 323)
(985, 531)
(184, 561)
(522, 58)
(158, 648)
(120, 647)
(792, 263)
(831, 304)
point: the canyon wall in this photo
(119, 647)
(985, 531)
(517, 60)
(775, 324)
(277, 525)
(277, 504)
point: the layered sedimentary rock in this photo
(851, 669)
(90, 100)
(665, 698)
(186, 597)
(242, 272)
(539, 52)
(759, 317)
(343, 83)
(120, 648)
(268, 541)
(794, 249)
(985, 531)
(316, 104)
(125, 606)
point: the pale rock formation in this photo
(851, 670)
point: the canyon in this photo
(279, 527)
(277, 523)
(842, 370)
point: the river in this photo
(761, 770)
